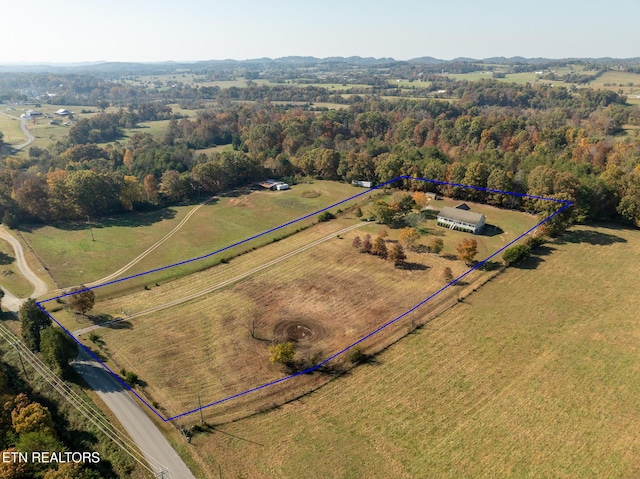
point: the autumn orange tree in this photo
(397, 255)
(408, 237)
(467, 250)
(379, 248)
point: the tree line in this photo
(536, 140)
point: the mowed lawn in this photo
(73, 257)
(534, 375)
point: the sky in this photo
(63, 31)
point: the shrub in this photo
(534, 242)
(326, 216)
(131, 378)
(515, 254)
(356, 355)
(10, 220)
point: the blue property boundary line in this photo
(565, 205)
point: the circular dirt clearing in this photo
(299, 330)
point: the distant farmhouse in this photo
(62, 112)
(274, 185)
(461, 218)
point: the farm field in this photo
(616, 80)
(73, 258)
(534, 375)
(331, 294)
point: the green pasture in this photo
(534, 375)
(73, 257)
(10, 127)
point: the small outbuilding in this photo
(363, 184)
(63, 112)
(274, 185)
(461, 219)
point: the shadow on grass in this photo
(595, 238)
(5, 259)
(414, 267)
(129, 220)
(491, 230)
(532, 262)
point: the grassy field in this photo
(534, 375)
(10, 127)
(616, 80)
(73, 258)
(331, 292)
(10, 276)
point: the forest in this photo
(576, 144)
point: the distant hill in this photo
(140, 68)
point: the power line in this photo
(88, 410)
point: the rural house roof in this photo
(460, 215)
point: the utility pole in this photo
(90, 230)
(200, 407)
(21, 362)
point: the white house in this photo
(461, 219)
(62, 112)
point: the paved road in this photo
(153, 445)
(10, 302)
(220, 285)
(142, 430)
(25, 130)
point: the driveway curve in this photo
(25, 130)
(10, 302)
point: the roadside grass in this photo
(336, 292)
(10, 276)
(535, 375)
(10, 127)
(73, 258)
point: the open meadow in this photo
(324, 297)
(73, 257)
(534, 375)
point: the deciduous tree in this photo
(397, 255)
(379, 248)
(436, 246)
(32, 418)
(447, 275)
(408, 237)
(33, 321)
(282, 353)
(467, 250)
(82, 300)
(366, 244)
(58, 348)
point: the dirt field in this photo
(323, 299)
